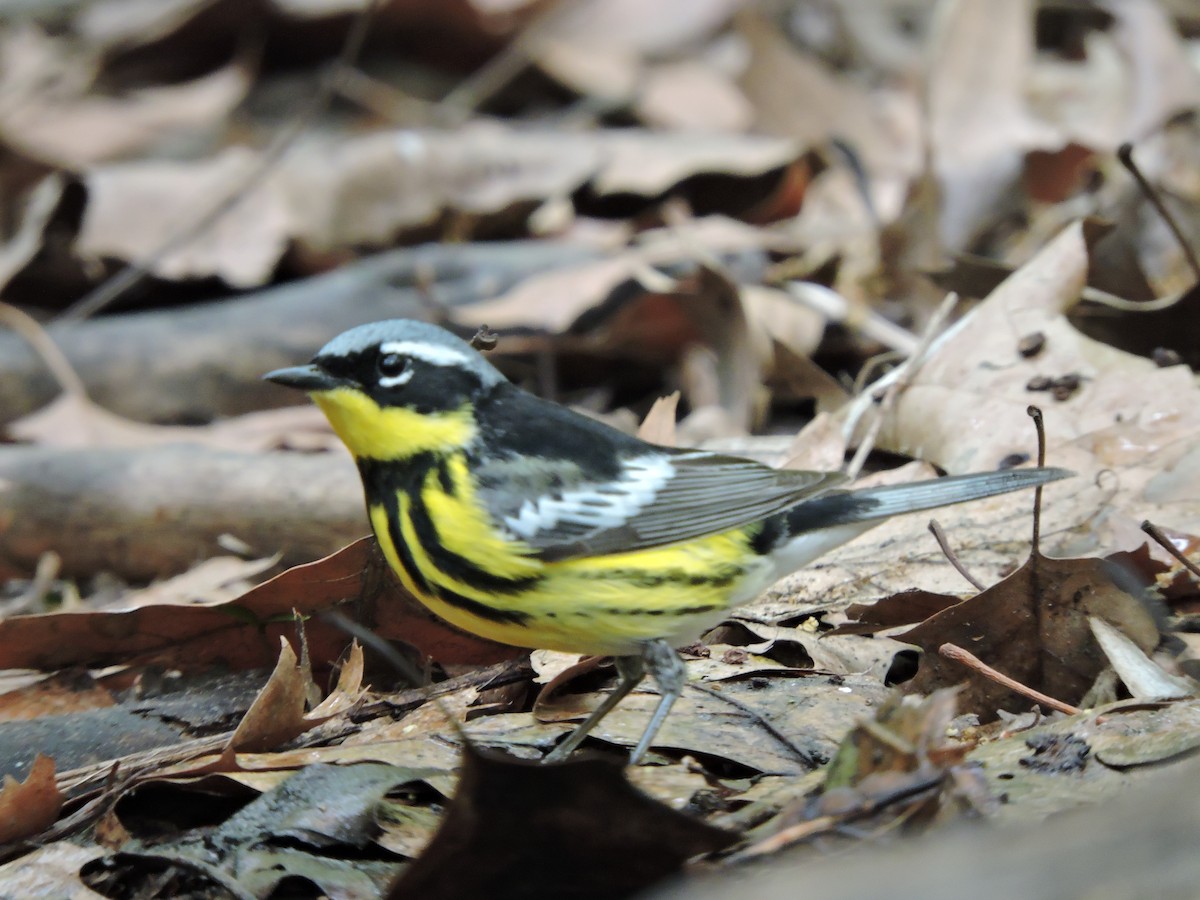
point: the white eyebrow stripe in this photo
(434, 354)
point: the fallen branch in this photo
(193, 364)
(142, 514)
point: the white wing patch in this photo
(434, 354)
(607, 505)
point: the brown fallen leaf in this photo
(364, 191)
(577, 830)
(913, 737)
(894, 610)
(872, 122)
(690, 95)
(1032, 626)
(612, 51)
(212, 581)
(29, 806)
(348, 690)
(1134, 77)
(807, 713)
(627, 309)
(1128, 431)
(1147, 734)
(277, 713)
(554, 300)
(244, 633)
(132, 205)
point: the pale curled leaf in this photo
(659, 425)
(1145, 679)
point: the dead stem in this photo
(943, 542)
(1165, 542)
(971, 661)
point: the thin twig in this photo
(29, 330)
(869, 806)
(33, 597)
(802, 755)
(405, 668)
(111, 289)
(1035, 413)
(1125, 155)
(867, 373)
(1104, 298)
(971, 661)
(902, 378)
(382, 99)
(952, 557)
(866, 322)
(1165, 542)
(505, 672)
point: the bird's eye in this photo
(392, 365)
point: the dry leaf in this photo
(1033, 626)
(213, 581)
(134, 207)
(277, 714)
(29, 806)
(692, 96)
(50, 871)
(519, 824)
(244, 632)
(659, 425)
(965, 409)
(979, 125)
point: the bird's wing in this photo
(654, 497)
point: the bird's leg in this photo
(631, 670)
(666, 668)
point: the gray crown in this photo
(441, 343)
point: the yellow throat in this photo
(375, 432)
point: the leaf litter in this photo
(794, 734)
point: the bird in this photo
(522, 521)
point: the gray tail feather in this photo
(875, 503)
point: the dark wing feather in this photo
(571, 486)
(687, 495)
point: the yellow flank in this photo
(612, 604)
(603, 605)
(394, 432)
(466, 530)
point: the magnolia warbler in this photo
(524, 522)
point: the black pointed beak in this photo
(304, 378)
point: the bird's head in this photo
(396, 388)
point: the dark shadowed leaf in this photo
(578, 830)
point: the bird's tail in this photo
(816, 526)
